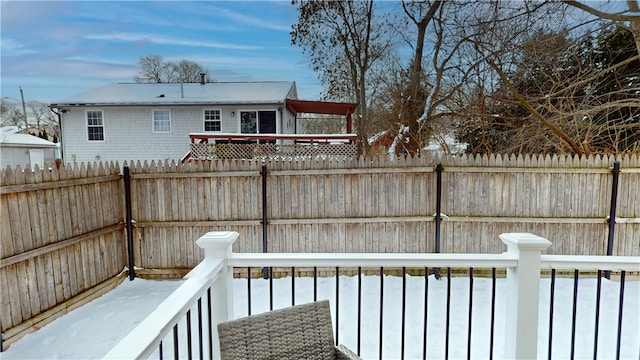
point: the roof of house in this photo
(265, 92)
(8, 137)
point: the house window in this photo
(212, 120)
(161, 121)
(258, 122)
(95, 126)
(249, 122)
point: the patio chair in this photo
(297, 332)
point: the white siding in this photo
(129, 136)
(288, 119)
(288, 122)
(19, 155)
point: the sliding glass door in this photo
(258, 122)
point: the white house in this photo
(140, 121)
(24, 149)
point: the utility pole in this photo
(24, 109)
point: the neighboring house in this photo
(381, 142)
(24, 149)
(141, 121)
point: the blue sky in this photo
(56, 49)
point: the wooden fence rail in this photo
(62, 231)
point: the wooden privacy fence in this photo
(63, 231)
(383, 205)
(61, 236)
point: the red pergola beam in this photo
(323, 107)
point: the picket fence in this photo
(63, 231)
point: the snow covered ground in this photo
(89, 332)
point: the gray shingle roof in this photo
(267, 92)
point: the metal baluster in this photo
(189, 345)
(249, 291)
(574, 315)
(271, 288)
(210, 323)
(447, 327)
(200, 336)
(337, 303)
(176, 352)
(493, 311)
(552, 298)
(426, 313)
(597, 320)
(470, 313)
(404, 307)
(315, 283)
(622, 280)
(381, 311)
(359, 309)
(293, 286)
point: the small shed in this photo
(24, 149)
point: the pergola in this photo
(323, 107)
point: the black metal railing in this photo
(451, 318)
(383, 334)
(578, 347)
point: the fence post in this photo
(612, 211)
(129, 222)
(523, 288)
(439, 169)
(265, 221)
(218, 245)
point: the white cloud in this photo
(10, 47)
(133, 37)
(250, 20)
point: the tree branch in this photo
(602, 14)
(521, 100)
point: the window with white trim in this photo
(95, 125)
(161, 121)
(212, 120)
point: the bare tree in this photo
(45, 120)
(344, 43)
(414, 99)
(188, 72)
(10, 115)
(154, 69)
(438, 80)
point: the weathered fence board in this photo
(60, 236)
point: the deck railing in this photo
(208, 146)
(180, 326)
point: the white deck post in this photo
(523, 287)
(218, 245)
